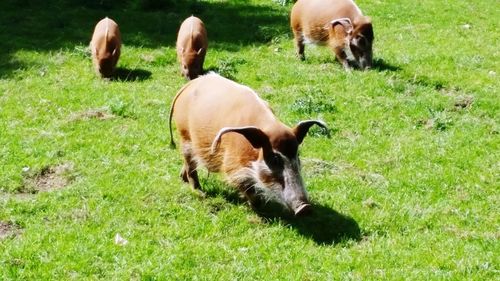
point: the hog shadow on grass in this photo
(130, 75)
(214, 188)
(382, 65)
(323, 225)
(62, 24)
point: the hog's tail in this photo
(172, 142)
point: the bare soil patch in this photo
(8, 229)
(463, 102)
(315, 167)
(99, 114)
(49, 178)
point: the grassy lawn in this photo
(405, 188)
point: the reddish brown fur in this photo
(192, 44)
(105, 46)
(231, 105)
(311, 20)
(210, 104)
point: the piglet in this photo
(105, 47)
(192, 44)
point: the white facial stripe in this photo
(292, 173)
(291, 170)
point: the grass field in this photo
(405, 188)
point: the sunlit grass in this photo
(405, 187)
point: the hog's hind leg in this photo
(299, 44)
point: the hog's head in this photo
(192, 63)
(106, 61)
(360, 37)
(278, 166)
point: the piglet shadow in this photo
(130, 75)
(229, 194)
(322, 224)
(377, 65)
(381, 65)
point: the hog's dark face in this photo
(278, 167)
(281, 174)
(106, 66)
(361, 42)
(106, 62)
(191, 64)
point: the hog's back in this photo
(210, 103)
(99, 36)
(191, 28)
(312, 17)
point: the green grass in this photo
(405, 188)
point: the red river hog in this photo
(227, 128)
(192, 44)
(337, 23)
(105, 46)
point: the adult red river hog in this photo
(337, 23)
(105, 46)
(192, 44)
(228, 128)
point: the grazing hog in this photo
(192, 44)
(228, 128)
(105, 46)
(338, 23)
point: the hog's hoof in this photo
(199, 193)
(184, 176)
(303, 209)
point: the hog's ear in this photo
(254, 135)
(345, 22)
(199, 51)
(302, 128)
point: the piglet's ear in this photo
(302, 128)
(254, 135)
(345, 22)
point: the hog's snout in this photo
(365, 62)
(302, 209)
(365, 65)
